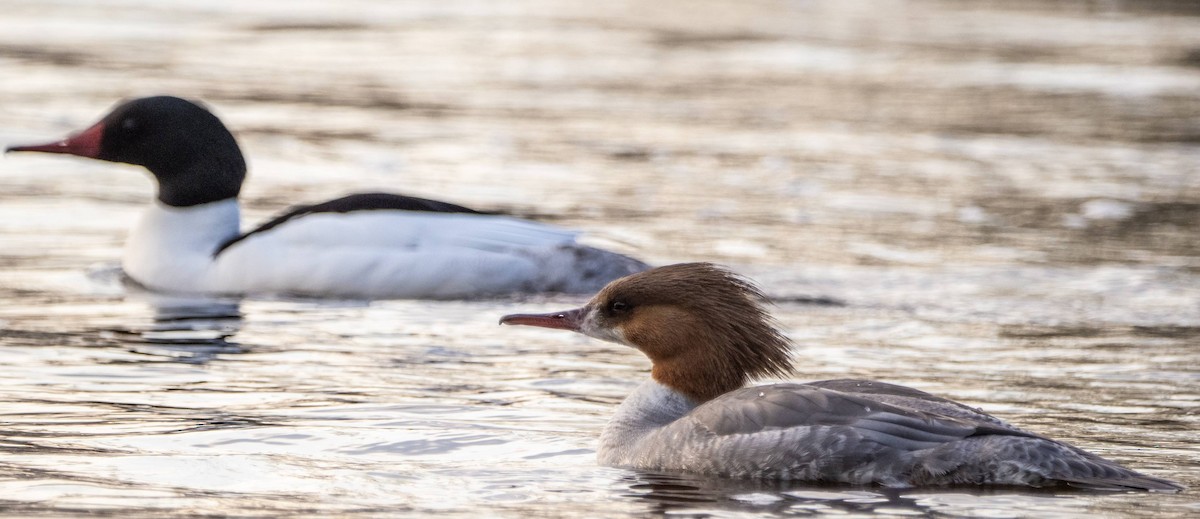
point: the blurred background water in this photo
(992, 201)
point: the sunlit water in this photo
(998, 206)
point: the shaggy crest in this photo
(707, 329)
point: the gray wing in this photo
(864, 434)
(909, 398)
(783, 406)
(810, 433)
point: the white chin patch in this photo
(592, 328)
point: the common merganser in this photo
(706, 332)
(373, 245)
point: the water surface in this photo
(996, 204)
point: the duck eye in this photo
(619, 306)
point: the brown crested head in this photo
(706, 329)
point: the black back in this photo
(358, 202)
(190, 152)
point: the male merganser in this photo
(706, 332)
(373, 245)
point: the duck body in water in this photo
(707, 333)
(372, 245)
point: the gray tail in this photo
(1016, 458)
(579, 269)
(1078, 468)
(1081, 469)
(1128, 480)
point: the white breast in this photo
(630, 433)
(170, 248)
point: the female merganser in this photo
(706, 332)
(372, 245)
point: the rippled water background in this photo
(996, 202)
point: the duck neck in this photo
(649, 407)
(172, 247)
(208, 178)
(699, 377)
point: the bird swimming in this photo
(707, 333)
(371, 245)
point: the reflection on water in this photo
(997, 204)
(682, 494)
(190, 330)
